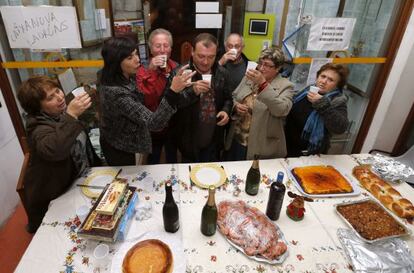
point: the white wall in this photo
(397, 98)
(11, 159)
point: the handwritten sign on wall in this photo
(45, 27)
(330, 33)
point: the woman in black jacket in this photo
(126, 123)
(60, 150)
(318, 112)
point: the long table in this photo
(312, 243)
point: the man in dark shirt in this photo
(234, 60)
(205, 106)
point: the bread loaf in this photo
(383, 191)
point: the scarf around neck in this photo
(314, 130)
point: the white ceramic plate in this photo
(97, 178)
(209, 174)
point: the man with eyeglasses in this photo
(205, 106)
(234, 60)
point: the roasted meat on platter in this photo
(250, 229)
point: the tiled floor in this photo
(13, 240)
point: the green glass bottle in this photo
(170, 212)
(253, 177)
(209, 214)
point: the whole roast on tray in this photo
(250, 229)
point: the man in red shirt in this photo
(152, 79)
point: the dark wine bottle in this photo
(209, 214)
(170, 211)
(276, 195)
(253, 177)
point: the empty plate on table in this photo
(208, 174)
(97, 178)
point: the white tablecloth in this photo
(312, 243)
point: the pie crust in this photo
(148, 256)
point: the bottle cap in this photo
(280, 176)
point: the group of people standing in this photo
(234, 115)
(209, 109)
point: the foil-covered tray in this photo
(279, 259)
(388, 168)
(407, 232)
(387, 256)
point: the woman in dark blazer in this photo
(126, 123)
(60, 150)
(318, 112)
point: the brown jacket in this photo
(51, 169)
(266, 134)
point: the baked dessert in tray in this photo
(370, 220)
(321, 179)
(148, 256)
(383, 191)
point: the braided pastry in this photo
(383, 191)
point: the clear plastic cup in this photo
(79, 91)
(233, 52)
(251, 65)
(313, 89)
(101, 255)
(187, 71)
(164, 59)
(207, 77)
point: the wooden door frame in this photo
(405, 132)
(12, 108)
(404, 14)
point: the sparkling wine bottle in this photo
(170, 211)
(253, 177)
(209, 214)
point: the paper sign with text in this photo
(44, 27)
(330, 33)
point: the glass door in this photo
(370, 38)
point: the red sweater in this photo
(152, 83)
